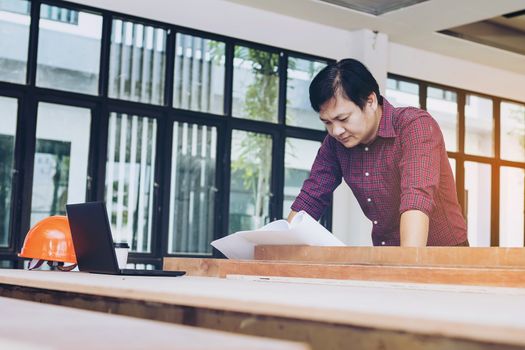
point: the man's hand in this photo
(291, 215)
(413, 228)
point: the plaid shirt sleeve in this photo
(325, 176)
(420, 164)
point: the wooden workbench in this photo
(341, 315)
(30, 325)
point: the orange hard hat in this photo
(50, 240)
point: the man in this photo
(393, 159)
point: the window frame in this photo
(101, 106)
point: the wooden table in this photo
(336, 315)
(30, 325)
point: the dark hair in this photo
(350, 78)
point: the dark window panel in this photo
(69, 54)
(199, 74)
(8, 127)
(250, 180)
(137, 62)
(14, 40)
(255, 84)
(61, 159)
(130, 179)
(299, 112)
(192, 194)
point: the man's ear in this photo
(372, 101)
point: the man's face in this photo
(347, 123)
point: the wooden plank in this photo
(428, 256)
(342, 316)
(473, 276)
(31, 325)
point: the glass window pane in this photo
(477, 202)
(298, 159)
(58, 14)
(69, 50)
(402, 93)
(130, 171)
(61, 159)
(479, 126)
(137, 62)
(511, 207)
(443, 106)
(199, 74)
(192, 191)
(513, 131)
(251, 165)
(299, 112)
(14, 39)
(255, 84)
(6, 264)
(8, 111)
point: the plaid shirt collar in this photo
(386, 128)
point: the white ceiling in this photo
(414, 26)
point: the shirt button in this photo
(367, 173)
(375, 222)
(366, 149)
(383, 243)
(368, 200)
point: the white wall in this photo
(377, 53)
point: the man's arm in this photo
(325, 176)
(413, 228)
(422, 146)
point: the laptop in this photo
(93, 242)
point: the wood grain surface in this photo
(31, 325)
(474, 276)
(428, 256)
(485, 315)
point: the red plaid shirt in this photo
(405, 168)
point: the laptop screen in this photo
(92, 237)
